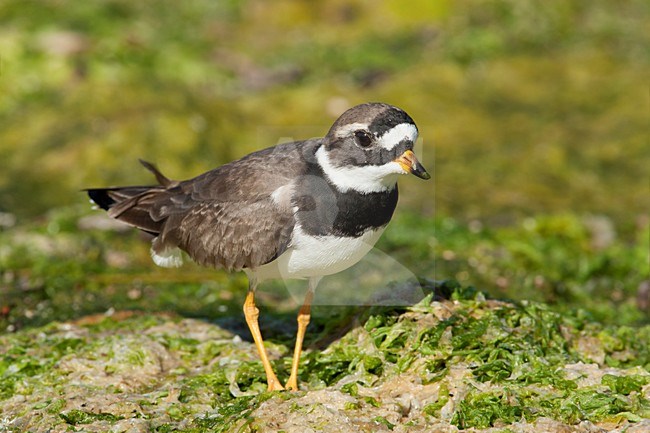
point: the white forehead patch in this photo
(344, 131)
(392, 137)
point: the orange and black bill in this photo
(410, 163)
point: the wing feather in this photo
(228, 217)
(234, 235)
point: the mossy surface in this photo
(454, 358)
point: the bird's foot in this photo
(274, 385)
(292, 384)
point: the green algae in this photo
(625, 384)
(383, 421)
(77, 417)
(519, 347)
(517, 361)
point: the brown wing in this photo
(225, 217)
(233, 235)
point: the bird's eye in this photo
(363, 138)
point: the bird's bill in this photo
(410, 163)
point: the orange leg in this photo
(251, 312)
(304, 314)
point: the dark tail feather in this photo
(106, 198)
(133, 205)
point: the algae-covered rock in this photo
(446, 365)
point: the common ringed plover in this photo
(299, 210)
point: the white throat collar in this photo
(364, 179)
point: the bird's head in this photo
(368, 147)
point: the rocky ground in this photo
(458, 364)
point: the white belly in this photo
(316, 256)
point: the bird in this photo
(298, 210)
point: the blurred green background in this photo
(533, 119)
